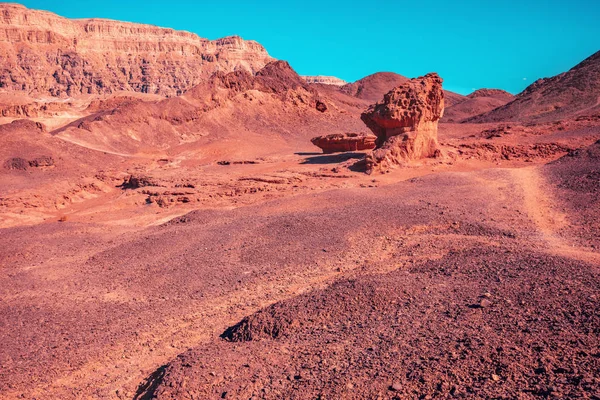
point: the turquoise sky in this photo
(471, 43)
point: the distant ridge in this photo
(373, 87)
(325, 80)
(572, 93)
(476, 103)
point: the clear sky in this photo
(504, 44)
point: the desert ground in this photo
(169, 240)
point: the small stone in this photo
(396, 387)
(485, 303)
(487, 295)
(495, 378)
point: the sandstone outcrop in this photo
(340, 142)
(43, 53)
(405, 123)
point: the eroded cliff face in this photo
(43, 53)
(406, 122)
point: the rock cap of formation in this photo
(339, 142)
(406, 122)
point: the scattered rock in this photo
(16, 163)
(44, 161)
(138, 181)
(320, 106)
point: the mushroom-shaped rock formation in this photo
(405, 123)
(339, 142)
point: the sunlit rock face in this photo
(406, 123)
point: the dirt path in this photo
(544, 212)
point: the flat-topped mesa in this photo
(405, 123)
(340, 142)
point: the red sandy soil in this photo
(200, 247)
(92, 306)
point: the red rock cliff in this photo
(43, 53)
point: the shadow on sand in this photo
(147, 388)
(333, 158)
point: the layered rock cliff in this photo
(406, 122)
(43, 53)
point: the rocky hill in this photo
(495, 93)
(274, 106)
(373, 87)
(572, 93)
(43, 53)
(477, 103)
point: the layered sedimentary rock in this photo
(41, 52)
(406, 122)
(340, 142)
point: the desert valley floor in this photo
(473, 275)
(174, 234)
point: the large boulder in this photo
(339, 142)
(405, 123)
